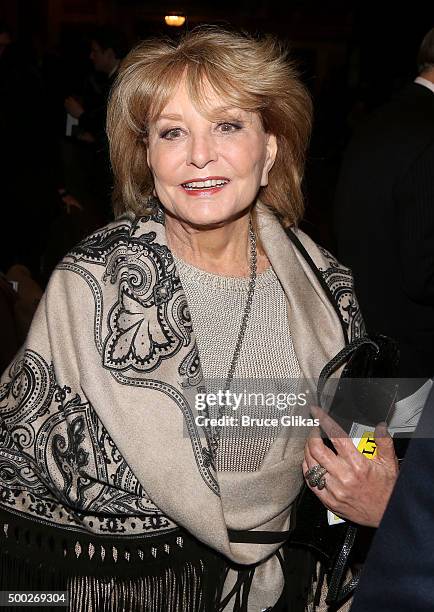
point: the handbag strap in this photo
(336, 594)
(339, 360)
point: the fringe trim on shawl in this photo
(165, 573)
(174, 591)
(172, 574)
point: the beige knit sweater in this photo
(267, 362)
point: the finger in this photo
(341, 441)
(306, 466)
(318, 452)
(310, 461)
(327, 423)
(384, 442)
(331, 462)
(323, 494)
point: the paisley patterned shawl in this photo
(97, 433)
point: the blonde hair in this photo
(254, 75)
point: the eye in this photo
(228, 127)
(171, 134)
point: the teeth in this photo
(208, 183)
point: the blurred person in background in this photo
(86, 165)
(399, 572)
(384, 218)
(85, 181)
(108, 47)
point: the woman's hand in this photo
(356, 488)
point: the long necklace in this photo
(215, 437)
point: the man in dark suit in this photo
(399, 572)
(108, 47)
(86, 164)
(384, 218)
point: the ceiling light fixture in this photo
(174, 20)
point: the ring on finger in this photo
(315, 476)
(321, 484)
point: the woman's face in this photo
(208, 172)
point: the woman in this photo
(104, 460)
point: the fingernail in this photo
(382, 428)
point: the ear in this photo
(270, 158)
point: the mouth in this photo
(207, 185)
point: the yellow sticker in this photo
(367, 445)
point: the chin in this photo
(207, 214)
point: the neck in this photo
(223, 250)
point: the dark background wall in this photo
(374, 41)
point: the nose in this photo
(201, 150)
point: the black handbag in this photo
(368, 385)
(368, 382)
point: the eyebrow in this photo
(219, 111)
(173, 117)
